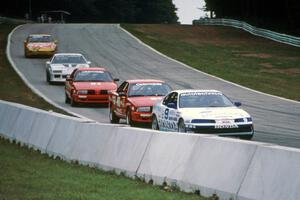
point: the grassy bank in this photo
(229, 53)
(26, 174)
(12, 88)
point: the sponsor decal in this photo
(95, 84)
(225, 123)
(199, 93)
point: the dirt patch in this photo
(257, 55)
(269, 68)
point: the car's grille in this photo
(212, 129)
(103, 92)
(56, 76)
(198, 121)
(239, 120)
(57, 71)
(91, 92)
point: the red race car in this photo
(134, 100)
(89, 85)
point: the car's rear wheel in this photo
(67, 99)
(155, 123)
(128, 118)
(181, 126)
(112, 117)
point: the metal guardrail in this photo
(278, 37)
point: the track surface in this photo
(276, 121)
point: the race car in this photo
(62, 64)
(202, 111)
(89, 85)
(39, 45)
(134, 100)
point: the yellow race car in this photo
(40, 45)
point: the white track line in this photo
(252, 90)
(29, 84)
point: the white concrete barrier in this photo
(217, 166)
(89, 143)
(22, 127)
(124, 150)
(8, 117)
(62, 136)
(166, 156)
(274, 173)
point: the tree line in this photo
(108, 11)
(278, 15)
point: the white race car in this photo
(202, 111)
(62, 64)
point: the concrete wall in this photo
(228, 168)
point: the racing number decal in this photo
(167, 113)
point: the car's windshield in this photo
(93, 76)
(203, 99)
(68, 59)
(148, 89)
(40, 38)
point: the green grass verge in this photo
(228, 53)
(26, 174)
(12, 88)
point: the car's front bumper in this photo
(241, 131)
(141, 117)
(92, 99)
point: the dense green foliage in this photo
(281, 15)
(131, 11)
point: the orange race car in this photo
(40, 45)
(89, 85)
(134, 100)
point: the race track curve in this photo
(276, 120)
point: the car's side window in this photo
(167, 99)
(174, 99)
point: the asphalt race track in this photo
(276, 120)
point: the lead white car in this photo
(202, 111)
(62, 64)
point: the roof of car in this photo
(145, 81)
(92, 69)
(67, 54)
(39, 35)
(195, 90)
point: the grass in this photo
(12, 88)
(26, 174)
(228, 53)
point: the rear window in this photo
(40, 38)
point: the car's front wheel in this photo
(128, 118)
(112, 116)
(67, 99)
(73, 102)
(155, 123)
(48, 78)
(181, 126)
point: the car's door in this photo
(120, 99)
(168, 112)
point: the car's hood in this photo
(50, 45)
(144, 101)
(213, 113)
(66, 68)
(95, 85)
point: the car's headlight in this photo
(82, 92)
(144, 109)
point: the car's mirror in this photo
(48, 62)
(237, 104)
(116, 79)
(89, 62)
(122, 94)
(172, 105)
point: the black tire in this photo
(154, 123)
(112, 116)
(73, 102)
(67, 99)
(128, 118)
(48, 77)
(181, 126)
